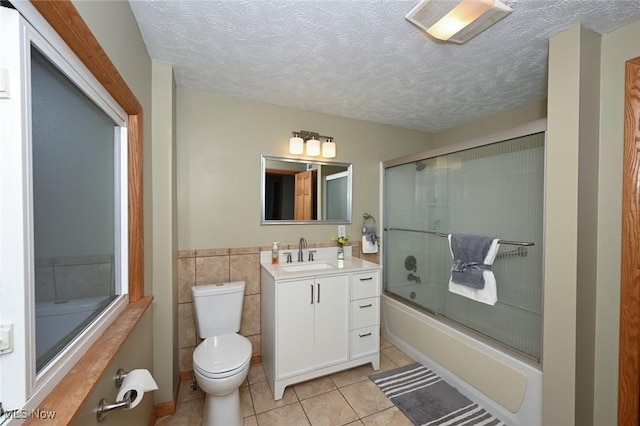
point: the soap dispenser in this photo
(274, 253)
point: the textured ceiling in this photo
(361, 59)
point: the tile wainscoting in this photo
(212, 266)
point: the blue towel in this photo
(469, 252)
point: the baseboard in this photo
(186, 374)
(165, 409)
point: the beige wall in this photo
(587, 224)
(220, 141)
(490, 125)
(561, 235)
(165, 252)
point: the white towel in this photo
(368, 246)
(488, 294)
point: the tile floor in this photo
(344, 398)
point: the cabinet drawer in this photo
(365, 312)
(365, 284)
(365, 341)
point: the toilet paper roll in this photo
(138, 381)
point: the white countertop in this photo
(351, 264)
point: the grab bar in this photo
(442, 234)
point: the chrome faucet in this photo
(301, 245)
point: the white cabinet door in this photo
(294, 327)
(331, 320)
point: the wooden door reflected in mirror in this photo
(304, 206)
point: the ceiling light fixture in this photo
(457, 20)
(312, 139)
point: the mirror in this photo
(302, 191)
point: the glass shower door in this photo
(493, 190)
(415, 200)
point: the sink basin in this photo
(306, 267)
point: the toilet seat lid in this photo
(220, 354)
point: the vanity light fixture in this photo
(457, 20)
(312, 139)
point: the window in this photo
(63, 202)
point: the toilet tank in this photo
(218, 308)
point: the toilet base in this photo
(222, 410)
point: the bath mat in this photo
(427, 400)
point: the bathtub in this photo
(55, 320)
(508, 386)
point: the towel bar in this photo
(442, 234)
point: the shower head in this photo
(420, 166)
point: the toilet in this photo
(221, 360)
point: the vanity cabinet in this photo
(311, 324)
(317, 325)
(365, 314)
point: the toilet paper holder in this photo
(120, 375)
(105, 407)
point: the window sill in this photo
(69, 395)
